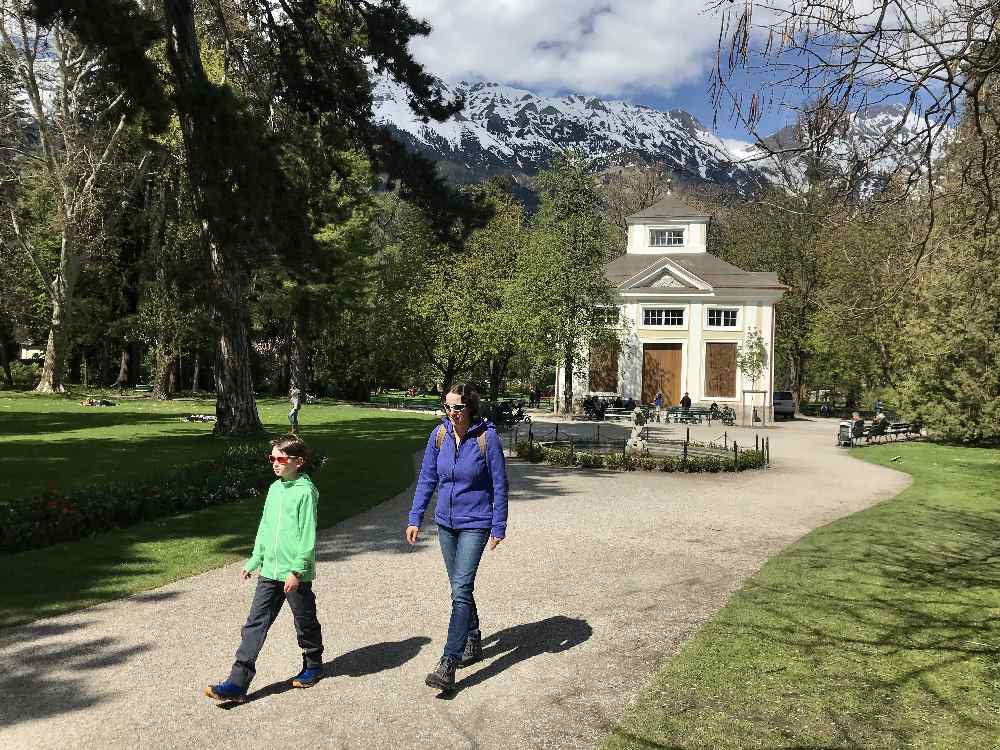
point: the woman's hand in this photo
(291, 583)
(411, 534)
(494, 541)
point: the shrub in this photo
(648, 463)
(590, 460)
(559, 456)
(55, 517)
(529, 451)
(669, 463)
(618, 462)
(750, 459)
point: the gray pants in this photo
(267, 601)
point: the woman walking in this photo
(464, 462)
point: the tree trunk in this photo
(297, 375)
(450, 370)
(5, 365)
(568, 380)
(123, 369)
(498, 373)
(164, 366)
(196, 377)
(55, 349)
(198, 108)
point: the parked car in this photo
(784, 404)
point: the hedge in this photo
(55, 517)
(618, 461)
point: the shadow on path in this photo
(521, 642)
(361, 662)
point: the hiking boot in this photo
(307, 677)
(226, 691)
(443, 676)
(473, 652)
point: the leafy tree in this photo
(246, 202)
(562, 279)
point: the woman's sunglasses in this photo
(454, 408)
(281, 460)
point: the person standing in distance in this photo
(464, 462)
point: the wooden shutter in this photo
(604, 368)
(720, 370)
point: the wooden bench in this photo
(694, 415)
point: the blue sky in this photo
(654, 52)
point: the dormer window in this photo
(666, 237)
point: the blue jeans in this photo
(293, 417)
(462, 550)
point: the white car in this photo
(784, 404)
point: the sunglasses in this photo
(454, 408)
(281, 460)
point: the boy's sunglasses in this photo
(282, 460)
(454, 408)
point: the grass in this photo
(46, 441)
(881, 630)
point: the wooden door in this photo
(661, 370)
(720, 370)
(604, 368)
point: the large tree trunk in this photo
(123, 369)
(55, 349)
(297, 371)
(450, 371)
(498, 373)
(197, 104)
(166, 371)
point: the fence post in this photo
(736, 457)
(513, 439)
(624, 447)
(684, 462)
(688, 438)
(756, 442)
(557, 432)
(598, 433)
(572, 454)
(725, 440)
(767, 451)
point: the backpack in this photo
(442, 431)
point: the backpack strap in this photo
(480, 441)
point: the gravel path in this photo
(603, 576)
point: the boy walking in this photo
(285, 553)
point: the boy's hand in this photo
(246, 575)
(291, 583)
(411, 534)
(494, 541)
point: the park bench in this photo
(693, 415)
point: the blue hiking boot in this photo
(308, 677)
(226, 691)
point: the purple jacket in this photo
(472, 489)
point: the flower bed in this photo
(54, 517)
(562, 455)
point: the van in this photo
(784, 404)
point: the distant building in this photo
(685, 311)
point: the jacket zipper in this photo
(277, 529)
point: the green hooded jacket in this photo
(286, 537)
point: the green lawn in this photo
(47, 441)
(881, 630)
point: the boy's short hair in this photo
(291, 445)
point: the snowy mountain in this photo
(509, 130)
(513, 131)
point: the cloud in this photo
(604, 48)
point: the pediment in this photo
(667, 280)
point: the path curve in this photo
(602, 577)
